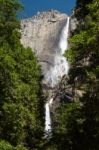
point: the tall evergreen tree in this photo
(81, 10)
(78, 127)
(21, 102)
(84, 56)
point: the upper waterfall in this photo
(63, 44)
(60, 66)
(47, 34)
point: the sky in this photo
(31, 7)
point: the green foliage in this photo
(78, 124)
(81, 10)
(21, 102)
(68, 127)
(84, 52)
(5, 145)
(20, 147)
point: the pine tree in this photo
(84, 54)
(21, 102)
(78, 122)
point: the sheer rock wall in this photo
(42, 34)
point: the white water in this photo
(48, 118)
(59, 69)
(61, 65)
(63, 44)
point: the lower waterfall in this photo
(56, 72)
(48, 116)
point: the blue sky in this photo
(31, 7)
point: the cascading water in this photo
(61, 66)
(63, 44)
(48, 117)
(56, 72)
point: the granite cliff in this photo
(42, 34)
(47, 34)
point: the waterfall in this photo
(56, 72)
(63, 44)
(61, 66)
(47, 116)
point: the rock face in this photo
(42, 34)
(47, 34)
(73, 23)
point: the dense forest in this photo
(21, 93)
(21, 102)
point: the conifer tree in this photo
(21, 102)
(78, 127)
